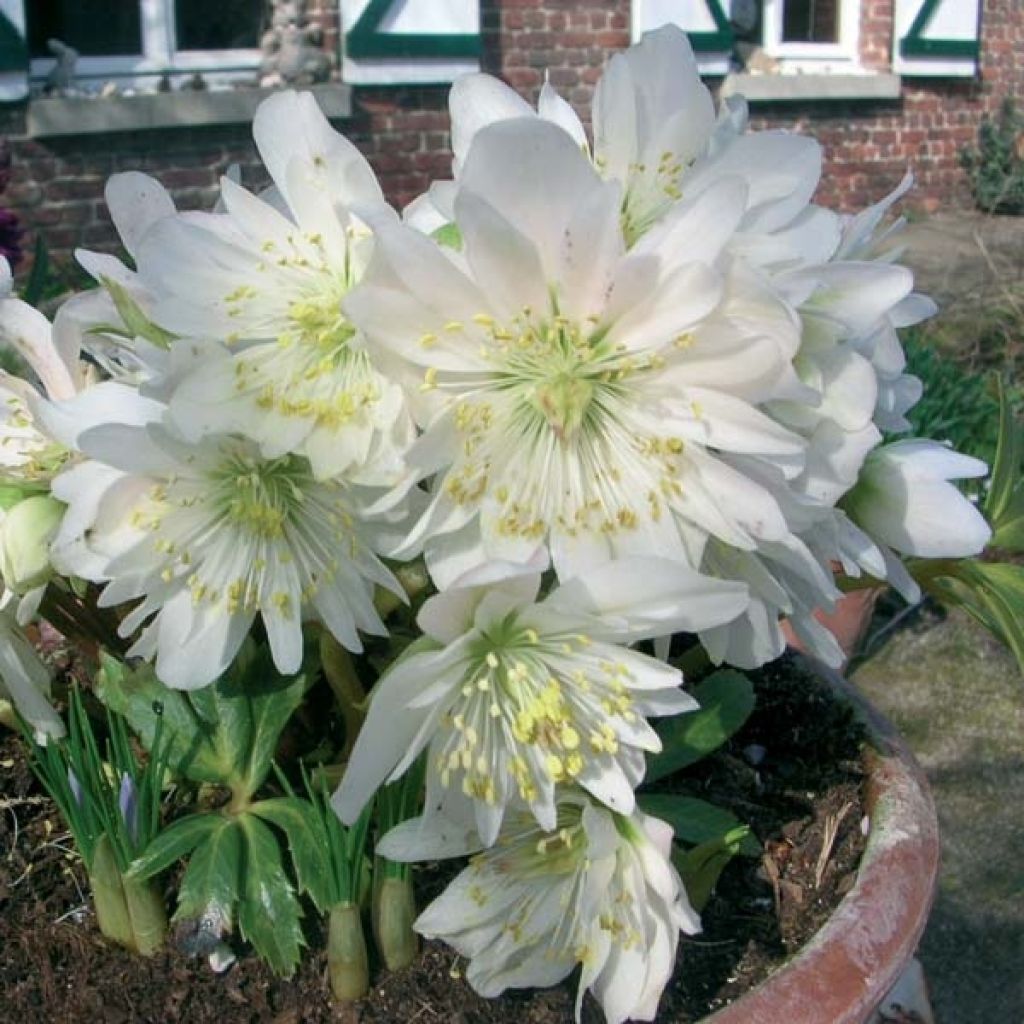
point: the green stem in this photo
(348, 691)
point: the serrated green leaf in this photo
(307, 844)
(448, 235)
(273, 701)
(269, 912)
(177, 840)
(696, 821)
(213, 880)
(136, 694)
(726, 699)
(137, 323)
(701, 867)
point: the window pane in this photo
(810, 21)
(92, 27)
(225, 25)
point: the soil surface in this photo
(793, 773)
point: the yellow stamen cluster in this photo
(525, 709)
(559, 391)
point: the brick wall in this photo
(57, 184)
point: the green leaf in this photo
(137, 323)
(212, 883)
(307, 843)
(36, 286)
(701, 867)
(269, 913)
(1005, 485)
(177, 840)
(142, 699)
(992, 592)
(448, 235)
(726, 699)
(272, 701)
(695, 820)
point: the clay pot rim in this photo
(844, 973)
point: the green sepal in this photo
(136, 322)
(701, 867)
(697, 821)
(307, 843)
(448, 235)
(726, 699)
(269, 912)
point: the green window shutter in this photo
(369, 35)
(706, 22)
(938, 38)
(13, 52)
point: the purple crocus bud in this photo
(76, 787)
(128, 802)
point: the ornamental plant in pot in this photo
(389, 539)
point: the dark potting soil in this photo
(793, 773)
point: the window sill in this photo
(86, 115)
(795, 88)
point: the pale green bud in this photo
(129, 911)
(393, 916)
(25, 535)
(347, 962)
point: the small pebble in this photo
(754, 754)
(221, 958)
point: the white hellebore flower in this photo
(573, 394)
(599, 891)
(266, 277)
(514, 696)
(655, 133)
(27, 454)
(208, 536)
(904, 500)
(24, 679)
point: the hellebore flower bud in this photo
(25, 535)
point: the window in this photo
(136, 41)
(811, 33)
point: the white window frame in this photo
(843, 54)
(159, 56)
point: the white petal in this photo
(136, 202)
(475, 101)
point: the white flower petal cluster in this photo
(598, 890)
(265, 277)
(512, 695)
(206, 536)
(643, 359)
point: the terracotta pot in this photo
(848, 623)
(844, 973)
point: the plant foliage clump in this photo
(996, 166)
